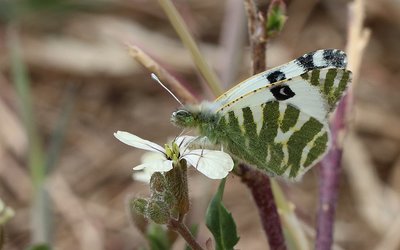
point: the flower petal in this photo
(184, 140)
(152, 156)
(142, 176)
(155, 166)
(137, 142)
(213, 164)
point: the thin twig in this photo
(89, 235)
(144, 59)
(330, 167)
(258, 182)
(377, 203)
(257, 36)
(179, 227)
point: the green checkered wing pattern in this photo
(285, 137)
(276, 137)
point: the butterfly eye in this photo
(182, 118)
(182, 114)
(282, 92)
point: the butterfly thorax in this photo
(200, 117)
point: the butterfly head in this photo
(184, 118)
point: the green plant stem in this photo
(294, 234)
(22, 84)
(1, 237)
(60, 129)
(179, 227)
(187, 39)
(41, 232)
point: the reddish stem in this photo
(179, 227)
(260, 187)
(258, 182)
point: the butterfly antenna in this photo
(169, 91)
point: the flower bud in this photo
(276, 17)
(139, 205)
(169, 199)
(177, 184)
(168, 151)
(157, 182)
(6, 213)
(158, 212)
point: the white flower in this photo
(212, 163)
(145, 174)
(6, 213)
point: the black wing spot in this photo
(306, 61)
(276, 76)
(282, 92)
(335, 58)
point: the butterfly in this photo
(277, 120)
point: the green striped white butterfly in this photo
(277, 120)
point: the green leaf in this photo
(158, 237)
(276, 18)
(39, 247)
(220, 222)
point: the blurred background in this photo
(67, 83)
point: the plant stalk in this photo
(260, 187)
(330, 169)
(258, 182)
(179, 227)
(187, 39)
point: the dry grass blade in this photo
(378, 204)
(293, 230)
(183, 32)
(232, 40)
(391, 239)
(358, 38)
(144, 59)
(10, 171)
(70, 206)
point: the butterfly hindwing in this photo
(276, 137)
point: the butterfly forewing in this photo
(327, 58)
